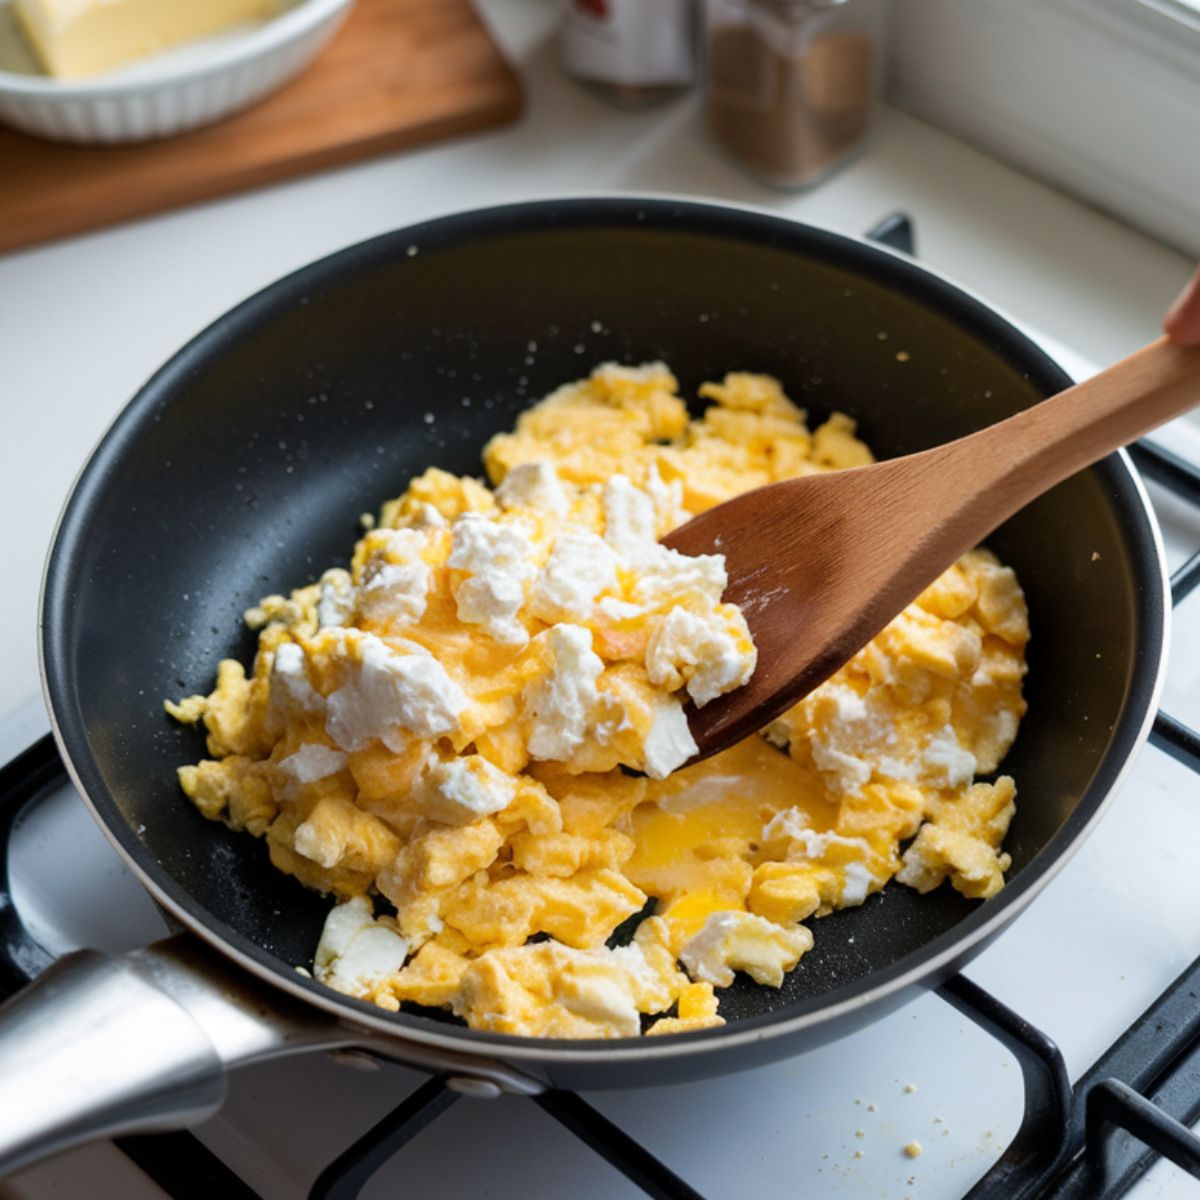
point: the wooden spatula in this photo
(821, 564)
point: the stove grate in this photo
(347, 1175)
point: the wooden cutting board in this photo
(399, 72)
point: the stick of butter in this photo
(83, 37)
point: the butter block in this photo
(84, 37)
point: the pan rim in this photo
(931, 962)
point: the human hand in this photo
(1182, 323)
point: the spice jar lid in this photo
(787, 25)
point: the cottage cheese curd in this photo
(435, 735)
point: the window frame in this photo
(1107, 102)
(1167, 29)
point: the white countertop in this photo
(84, 321)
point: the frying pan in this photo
(241, 468)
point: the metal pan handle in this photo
(97, 1044)
(100, 1045)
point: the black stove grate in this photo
(1090, 1141)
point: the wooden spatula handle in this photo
(1008, 464)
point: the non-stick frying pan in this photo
(242, 467)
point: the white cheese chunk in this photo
(580, 567)
(919, 871)
(741, 941)
(336, 603)
(355, 952)
(857, 883)
(666, 578)
(619, 610)
(601, 996)
(805, 844)
(396, 593)
(464, 789)
(395, 586)
(630, 522)
(842, 751)
(637, 373)
(343, 924)
(391, 691)
(320, 843)
(425, 518)
(312, 762)
(669, 744)
(667, 498)
(945, 763)
(375, 954)
(533, 485)
(700, 651)
(498, 558)
(290, 686)
(563, 707)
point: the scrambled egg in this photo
(435, 735)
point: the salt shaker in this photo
(792, 84)
(633, 53)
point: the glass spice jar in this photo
(792, 85)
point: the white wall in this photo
(1101, 97)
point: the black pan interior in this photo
(243, 466)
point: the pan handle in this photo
(100, 1045)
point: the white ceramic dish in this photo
(181, 89)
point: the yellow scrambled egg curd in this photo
(437, 731)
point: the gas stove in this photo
(967, 1091)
